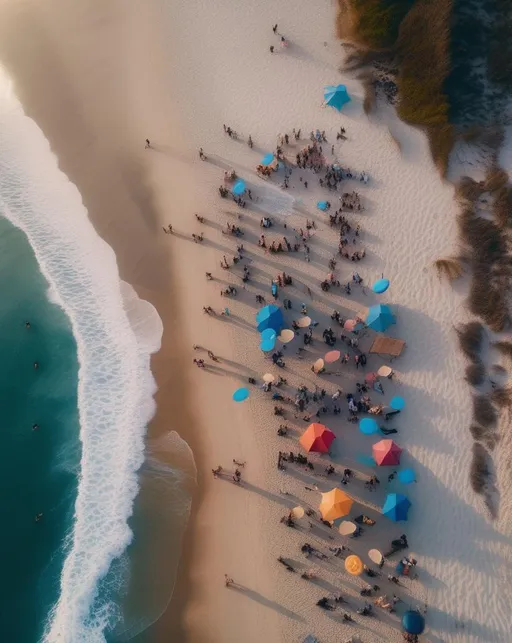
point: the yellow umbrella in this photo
(354, 565)
(268, 378)
(298, 512)
(304, 322)
(318, 365)
(286, 336)
(335, 504)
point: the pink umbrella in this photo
(350, 324)
(370, 378)
(332, 356)
(386, 453)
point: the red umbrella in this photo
(317, 437)
(386, 453)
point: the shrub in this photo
(484, 412)
(480, 472)
(470, 339)
(475, 374)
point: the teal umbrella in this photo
(336, 96)
(239, 187)
(406, 476)
(380, 317)
(268, 159)
(396, 507)
(241, 394)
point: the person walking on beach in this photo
(271, 49)
(274, 28)
(228, 581)
(148, 144)
(201, 154)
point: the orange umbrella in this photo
(332, 356)
(354, 565)
(335, 504)
(317, 437)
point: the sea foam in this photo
(115, 333)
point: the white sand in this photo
(192, 67)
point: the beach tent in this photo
(241, 394)
(386, 453)
(380, 286)
(239, 187)
(354, 565)
(413, 622)
(336, 96)
(270, 316)
(317, 437)
(368, 426)
(396, 507)
(335, 504)
(268, 159)
(380, 317)
(383, 345)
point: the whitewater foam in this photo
(116, 387)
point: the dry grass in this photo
(471, 336)
(372, 23)
(484, 412)
(502, 397)
(502, 206)
(495, 179)
(481, 472)
(449, 268)
(468, 189)
(475, 374)
(505, 348)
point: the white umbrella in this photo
(286, 336)
(375, 556)
(346, 528)
(268, 378)
(304, 322)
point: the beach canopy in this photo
(380, 317)
(241, 394)
(380, 286)
(304, 322)
(396, 507)
(354, 565)
(383, 345)
(239, 187)
(407, 476)
(368, 426)
(413, 622)
(268, 333)
(335, 504)
(397, 403)
(375, 556)
(386, 453)
(322, 205)
(268, 159)
(317, 437)
(332, 356)
(336, 96)
(270, 316)
(286, 336)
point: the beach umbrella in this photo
(267, 345)
(350, 324)
(270, 316)
(413, 622)
(375, 556)
(268, 378)
(380, 286)
(322, 205)
(241, 394)
(386, 453)
(298, 512)
(370, 378)
(336, 96)
(332, 356)
(318, 365)
(396, 507)
(268, 159)
(239, 187)
(354, 565)
(317, 437)
(397, 403)
(368, 426)
(385, 371)
(286, 336)
(380, 317)
(407, 476)
(268, 333)
(347, 528)
(335, 504)
(304, 322)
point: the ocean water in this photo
(69, 577)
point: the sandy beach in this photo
(100, 78)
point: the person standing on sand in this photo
(148, 144)
(228, 581)
(274, 28)
(272, 49)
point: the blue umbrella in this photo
(267, 345)
(380, 286)
(380, 317)
(336, 96)
(268, 333)
(413, 622)
(368, 426)
(239, 187)
(322, 205)
(241, 394)
(397, 403)
(270, 316)
(406, 476)
(268, 159)
(396, 507)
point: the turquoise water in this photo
(38, 468)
